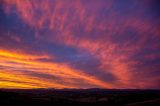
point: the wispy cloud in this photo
(55, 43)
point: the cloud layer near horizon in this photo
(79, 44)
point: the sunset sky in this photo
(80, 44)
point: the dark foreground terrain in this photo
(79, 97)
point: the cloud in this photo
(104, 43)
(51, 72)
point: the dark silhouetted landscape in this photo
(79, 97)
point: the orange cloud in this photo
(12, 66)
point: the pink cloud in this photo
(79, 25)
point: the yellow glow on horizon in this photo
(12, 62)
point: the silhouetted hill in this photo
(78, 97)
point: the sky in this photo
(112, 44)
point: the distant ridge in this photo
(76, 89)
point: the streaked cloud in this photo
(51, 74)
(79, 44)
